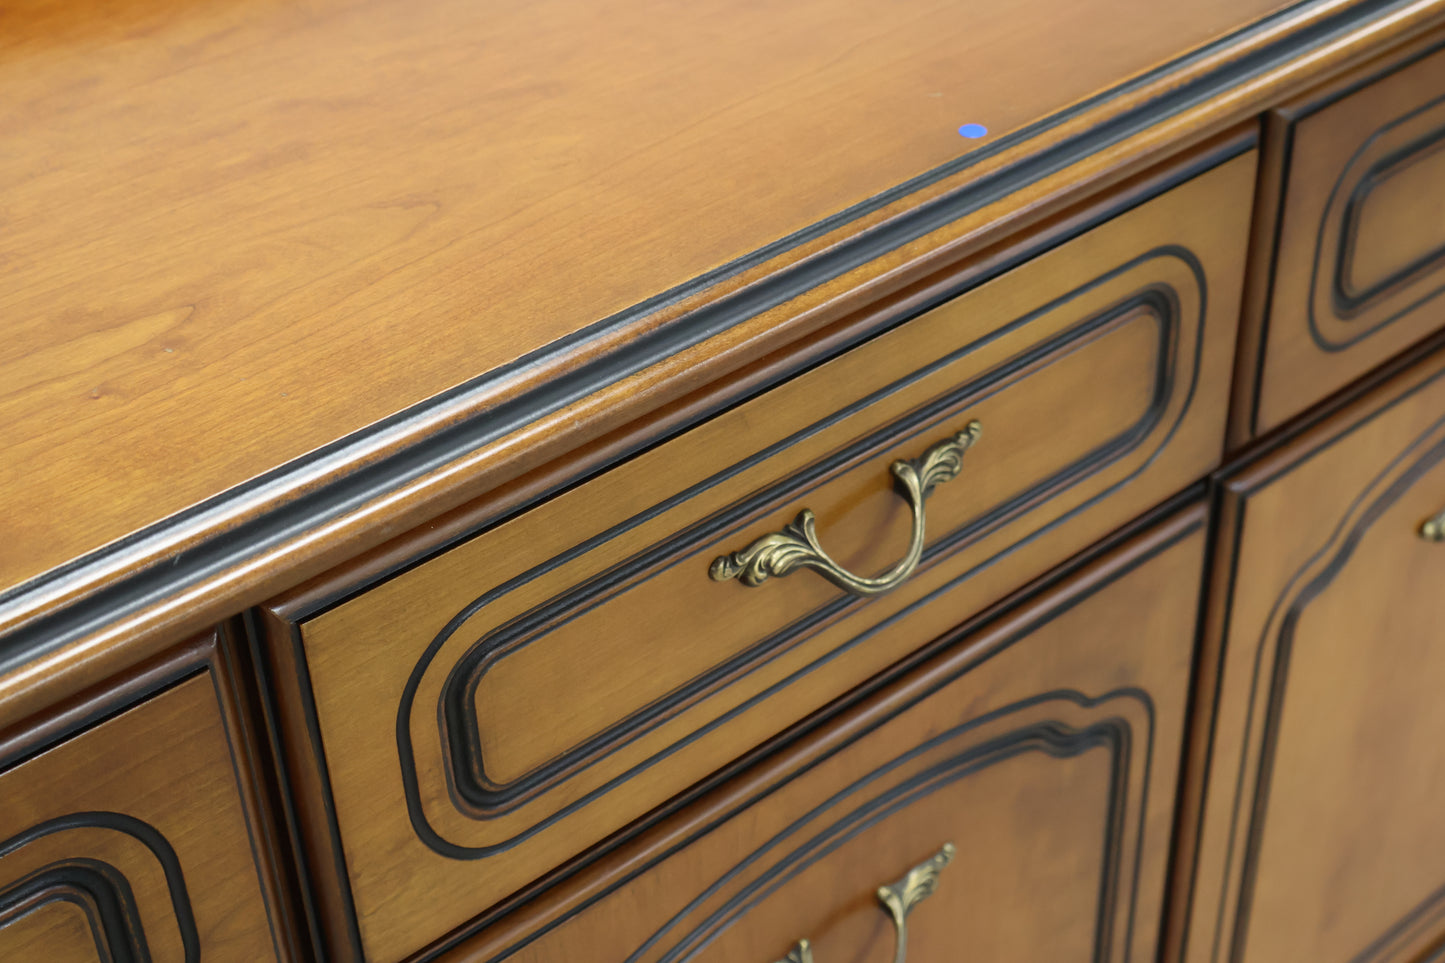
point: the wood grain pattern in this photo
(1319, 839)
(1355, 270)
(102, 613)
(1043, 746)
(365, 204)
(59, 927)
(137, 824)
(652, 688)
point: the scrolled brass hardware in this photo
(796, 546)
(898, 899)
(1432, 529)
(802, 953)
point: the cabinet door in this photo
(1322, 839)
(1023, 781)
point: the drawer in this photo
(1321, 837)
(1042, 751)
(130, 841)
(1354, 185)
(487, 714)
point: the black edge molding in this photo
(102, 889)
(1372, 163)
(1309, 582)
(351, 481)
(481, 801)
(98, 891)
(1349, 297)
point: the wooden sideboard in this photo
(784, 482)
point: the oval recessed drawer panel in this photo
(1027, 778)
(129, 842)
(500, 707)
(1355, 188)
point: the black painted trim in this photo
(1345, 306)
(107, 886)
(1020, 634)
(771, 647)
(1349, 299)
(371, 479)
(101, 893)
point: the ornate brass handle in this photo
(898, 899)
(796, 546)
(1432, 529)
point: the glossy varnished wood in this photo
(595, 611)
(488, 183)
(59, 925)
(294, 321)
(1320, 838)
(1349, 253)
(131, 839)
(242, 236)
(1044, 747)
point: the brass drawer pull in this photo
(1432, 529)
(898, 899)
(796, 546)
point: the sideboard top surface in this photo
(234, 232)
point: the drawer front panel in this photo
(130, 842)
(1360, 261)
(548, 659)
(1321, 835)
(596, 613)
(1044, 751)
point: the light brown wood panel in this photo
(130, 840)
(1351, 264)
(1320, 839)
(235, 232)
(1044, 747)
(595, 612)
(58, 928)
